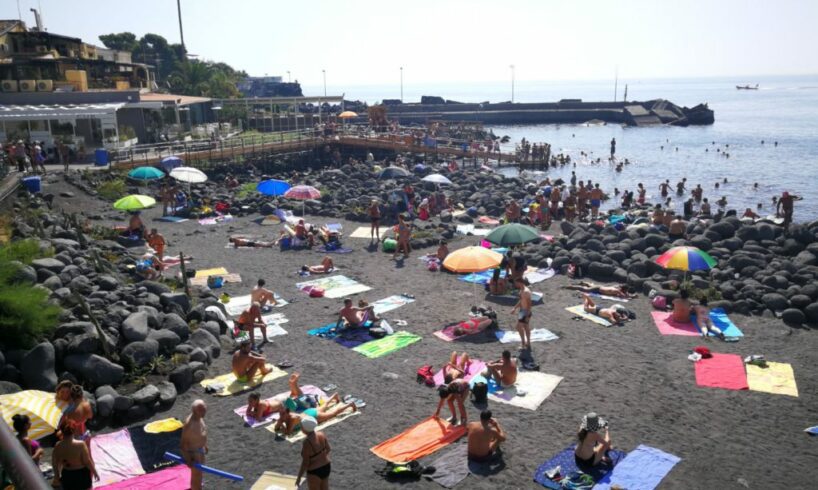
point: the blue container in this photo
(32, 184)
(101, 157)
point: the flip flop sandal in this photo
(348, 398)
(407, 295)
(284, 364)
(360, 403)
(329, 387)
(401, 323)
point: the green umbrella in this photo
(512, 234)
(134, 202)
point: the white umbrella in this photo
(436, 178)
(188, 174)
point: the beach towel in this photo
(363, 231)
(452, 467)
(171, 219)
(418, 441)
(339, 250)
(487, 220)
(471, 230)
(722, 371)
(300, 436)
(272, 329)
(391, 303)
(227, 384)
(237, 304)
(480, 277)
(175, 260)
(538, 275)
(474, 368)
(667, 326)
(580, 311)
(565, 460)
(164, 425)
(253, 423)
(215, 220)
(642, 469)
(536, 386)
(270, 480)
(720, 320)
(537, 335)
(349, 337)
(813, 431)
(609, 298)
(387, 345)
(229, 277)
(777, 378)
(335, 286)
(447, 333)
(151, 448)
(536, 297)
(216, 271)
(172, 478)
(115, 458)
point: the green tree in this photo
(191, 78)
(123, 41)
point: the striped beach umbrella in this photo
(686, 259)
(303, 192)
(40, 406)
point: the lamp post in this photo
(288, 76)
(324, 72)
(401, 84)
(512, 83)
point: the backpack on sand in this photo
(410, 471)
(480, 392)
(426, 375)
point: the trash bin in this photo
(32, 184)
(101, 157)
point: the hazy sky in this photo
(365, 42)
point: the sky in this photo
(366, 42)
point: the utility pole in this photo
(181, 32)
(625, 99)
(616, 81)
(401, 84)
(324, 72)
(512, 83)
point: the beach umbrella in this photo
(171, 162)
(40, 406)
(472, 259)
(188, 174)
(686, 259)
(134, 202)
(273, 187)
(348, 115)
(393, 172)
(146, 173)
(303, 192)
(512, 234)
(437, 179)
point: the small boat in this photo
(746, 87)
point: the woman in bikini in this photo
(76, 414)
(315, 460)
(22, 424)
(593, 446)
(290, 421)
(456, 368)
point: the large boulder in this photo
(140, 353)
(95, 369)
(182, 378)
(167, 393)
(206, 341)
(723, 228)
(775, 301)
(166, 339)
(105, 405)
(154, 287)
(600, 271)
(180, 299)
(86, 343)
(37, 368)
(23, 274)
(146, 395)
(135, 327)
(793, 317)
(50, 264)
(177, 325)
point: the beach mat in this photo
(253, 423)
(300, 436)
(230, 277)
(667, 326)
(721, 371)
(215, 271)
(565, 460)
(391, 303)
(720, 320)
(642, 469)
(472, 230)
(163, 425)
(538, 275)
(231, 386)
(237, 304)
(115, 458)
(173, 478)
(270, 480)
(273, 328)
(335, 286)
(777, 378)
(418, 441)
(537, 387)
(475, 367)
(363, 231)
(345, 337)
(609, 298)
(171, 219)
(387, 345)
(151, 448)
(480, 277)
(452, 467)
(578, 310)
(537, 335)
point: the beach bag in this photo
(703, 351)
(389, 245)
(659, 302)
(377, 332)
(316, 292)
(577, 481)
(215, 282)
(426, 375)
(480, 392)
(410, 471)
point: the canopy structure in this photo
(66, 111)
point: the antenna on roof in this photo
(19, 12)
(181, 32)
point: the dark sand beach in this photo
(639, 380)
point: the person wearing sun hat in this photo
(315, 460)
(593, 446)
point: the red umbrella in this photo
(303, 192)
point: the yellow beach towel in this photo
(218, 271)
(299, 436)
(164, 425)
(777, 378)
(579, 310)
(232, 386)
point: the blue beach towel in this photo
(172, 219)
(565, 460)
(813, 431)
(642, 469)
(720, 319)
(349, 337)
(480, 277)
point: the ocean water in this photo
(784, 109)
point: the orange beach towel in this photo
(418, 441)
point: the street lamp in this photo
(401, 84)
(288, 76)
(324, 72)
(512, 83)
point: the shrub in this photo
(26, 317)
(112, 189)
(23, 250)
(246, 190)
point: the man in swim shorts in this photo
(618, 291)
(246, 363)
(194, 442)
(484, 438)
(611, 314)
(524, 315)
(249, 320)
(503, 370)
(596, 200)
(262, 295)
(353, 316)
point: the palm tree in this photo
(191, 78)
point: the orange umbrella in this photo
(347, 115)
(472, 259)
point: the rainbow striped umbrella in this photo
(686, 259)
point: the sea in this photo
(747, 126)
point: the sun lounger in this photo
(418, 441)
(722, 371)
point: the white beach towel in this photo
(536, 386)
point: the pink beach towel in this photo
(173, 478)
(722, 371)
(667, 326)
(475, 367)
(250, 421)
(115, 457)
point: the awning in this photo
(67, 111)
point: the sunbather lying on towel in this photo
(325, 267)
(456, 391)
(703, 320)
(473, 325)
(260, 409)
(290, 421)
(456, 368)
(621, 291)
(262, 295)
(612, 314)
(238, 241)
(503, 370)
(353, 316)
(593, 446)
(246, 363)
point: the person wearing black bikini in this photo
(593, 446)
(315, 461)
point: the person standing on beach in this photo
(194, 442)
(315, 461)
(785, 204)
(613, 148)
(374, 212)
(404, 234)
(524, 315)
(596, 201)
(664, 187)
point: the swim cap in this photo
(308, 424)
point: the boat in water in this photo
(746, 87)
